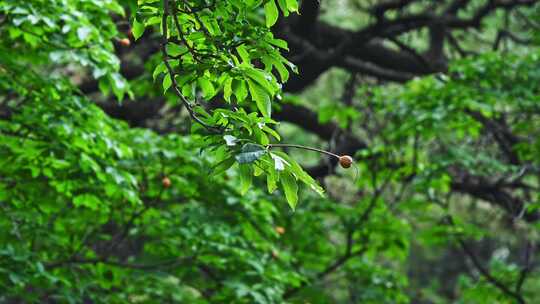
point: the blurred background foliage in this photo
(108, 192)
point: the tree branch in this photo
(366, 68)
(309, 12)
(380, 9)
(527, 267)
(487, 275)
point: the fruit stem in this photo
(303, 147)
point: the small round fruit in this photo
(345, 161)
(280, 230)
(125, 42)
(166, 182)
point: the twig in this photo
(303, 147)
(411, 51)
(484, 271)
(487, 275)
(526, 268)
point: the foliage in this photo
(211, 48)
(96, 210)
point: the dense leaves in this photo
(205, 206)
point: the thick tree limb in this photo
(366, 68)
(481, 188)
(380, 9)
(309, 11)
(329, 45)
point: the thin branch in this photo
(411, 51)
(527, 267)
(487, 275)
(502, 34)
(303, 147)
(503, 136)
(455, 44)
(484, 271)
(370, 69)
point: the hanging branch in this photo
(344, 160)
(305, 148)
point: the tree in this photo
(184, 192)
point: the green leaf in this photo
(161, 68)
(137, 29)
(230, 140)
(188, 90)
(227, 89)
(83, 32)
(302, 175)
(244, 54)
(257, 171)
(250, 153)
(183, 79)
(223, 166)
(89, 201)
(283, 7)
(166, 83)
(175, 49)
(119, 85)
(292, 5)
(207, 88)
(262, 78)
(240, 90)
(271, 180)
(246, 177)
(261, 98)
(272, 132)
(194, 36)
(282, 70)
(271, 12)
(279, 43)
(290, 187)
